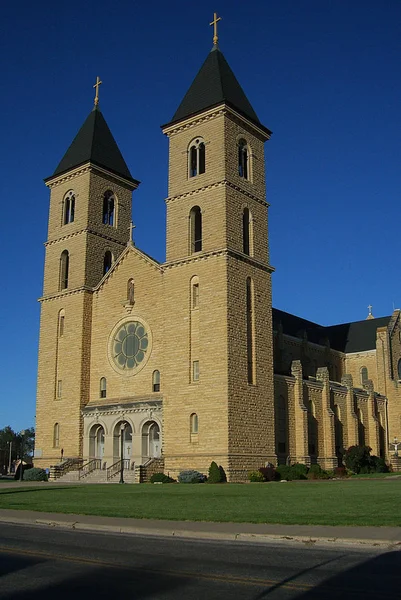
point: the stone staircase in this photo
(395, 462)
(144, 472)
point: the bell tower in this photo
(89, 224)
(221, 375)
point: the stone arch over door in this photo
(96, 441)
(126, 433)
(151, 440)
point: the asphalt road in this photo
(46, 563)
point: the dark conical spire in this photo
(94, 143)
(215, 84)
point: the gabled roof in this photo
(94, 142)
(358, 336)
(355, 337)
(215, 84)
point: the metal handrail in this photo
(70, 464)
(116, 468)
(92, 465)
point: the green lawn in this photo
(350, 502)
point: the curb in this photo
(258, 538)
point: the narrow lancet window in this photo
(107, 261)
(64, 268)
(195, 218)
(243, 159)
(103, 387)
(247, 232)
(194, 423)
(56, 435)
(364, 375)
(69, 208)
(156, 381)
(61, 317)
(250, 329)
(197, 158)
(109, 208)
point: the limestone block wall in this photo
(62, 359)
(312, 356)
(356, 361)
(110, 308)
(345, 416)
(207, 397)
(251, 405)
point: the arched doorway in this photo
(96, 441)
(124, 429)
(151, 443)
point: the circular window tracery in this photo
(129, 346)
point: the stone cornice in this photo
(287, 378)
(64, 293)
(228, 253)
(89, 168)
(213, 112)
(128, 405)
(211, 186)
(80, 232)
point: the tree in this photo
(18, 442)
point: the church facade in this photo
(185, 362)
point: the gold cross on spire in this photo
(216, 19)
(98, 82)
(131, 233)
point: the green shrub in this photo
(215, 475)
(161, 478)
(269, 473)
(316, 472)
(191, 476)
(222, 474)
(35, 474)
(255, 476)
(378, 465)
(296, 471)
(284, 472)
(357, 459)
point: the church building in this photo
(173, 365)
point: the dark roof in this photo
(94, 142)
(215, 84)
(357, 336)
(346, 337)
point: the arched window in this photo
(250, 330)
(109, 208)
(56, 435)
(338, 433)
(156, 381)
(103, 387)
(194, 292)
(361, 428)
(247, 232)
(195, 221)
(282, 427)
(364, 375)
(131, 292)
(312, 429)
(108, 259)
(196, 154)
(243, 159)
(69, 208)
(64, 268)
(61, 317)
(194, 423)
(399, 369)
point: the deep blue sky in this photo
(324, 75)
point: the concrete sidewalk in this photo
(385, 537)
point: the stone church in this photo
(180, 363)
